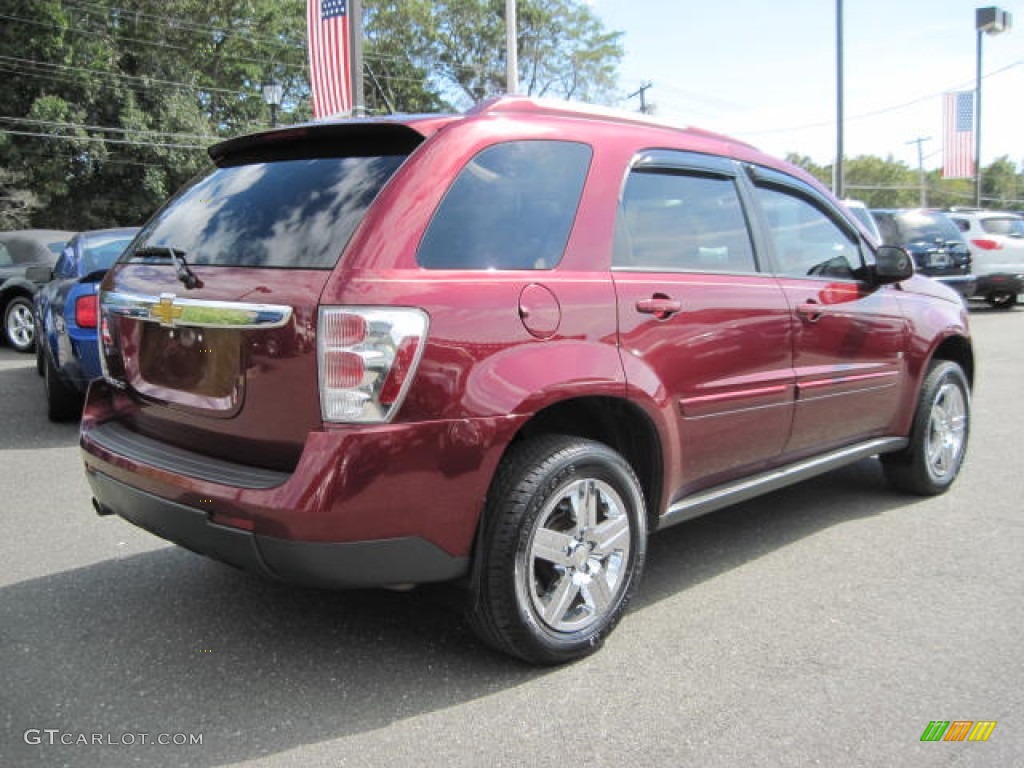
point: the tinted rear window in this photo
(511, 207)
(917, 226)
(286, 213)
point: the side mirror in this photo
(892, 265)
(39, 274)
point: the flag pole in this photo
(511, 49)
(356, 69)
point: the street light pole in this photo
(991, 21)
(837, 169)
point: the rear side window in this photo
(511, 207)
(1008, 226)
(678, 222)
(286, 213)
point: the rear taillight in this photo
(367, 357)
(987, 245)
(85, 311)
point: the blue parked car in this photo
(66, 318)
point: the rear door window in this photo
(295, 213)
(511, 207)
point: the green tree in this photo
(563, 49)
(398, 37)
(1001, 185)
(882, 183)
(123, 96)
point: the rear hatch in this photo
(935, 242)
(209, 320)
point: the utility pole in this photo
(641, 92)
(920, 140)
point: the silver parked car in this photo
(21, 250)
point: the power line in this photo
(171, 21)
(55, 124)
(145, 79)
(882, 111)
(40, 135)
(155, 43)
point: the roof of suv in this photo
(403, 132)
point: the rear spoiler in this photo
(353, 138)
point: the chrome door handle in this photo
(810, 311)
(661, 307)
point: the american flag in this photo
(329, 80)
(958, 142)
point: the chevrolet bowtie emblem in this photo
(165, 311)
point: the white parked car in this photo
(864, 217)
(996, 240)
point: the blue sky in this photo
(764, 71)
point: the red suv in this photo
(499, 349)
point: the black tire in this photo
(1001, 300)
(63, 402)
(19, 326)
(553, 597)
(40, 365)
(938, 438)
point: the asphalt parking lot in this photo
(827, 624)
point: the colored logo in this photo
(165, 311)
(958, 730)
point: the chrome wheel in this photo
(947, 430)
(562, 547)
(937, 442)
(574, 564)
(19, 325)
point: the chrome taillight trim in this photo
(387, 325)
(169, 310)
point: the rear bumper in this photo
(324, 564)
(368, 505)
(999, 282)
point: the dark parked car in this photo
(542, 331)
(935, 242)
(66, 314)
(21, 250)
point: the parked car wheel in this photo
(1001, 300)
(938, 439)
(563, 545)
(63, 403)
(19, 326)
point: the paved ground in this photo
(822, 625)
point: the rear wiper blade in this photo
(185, 274)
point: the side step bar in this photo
(741, 490)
